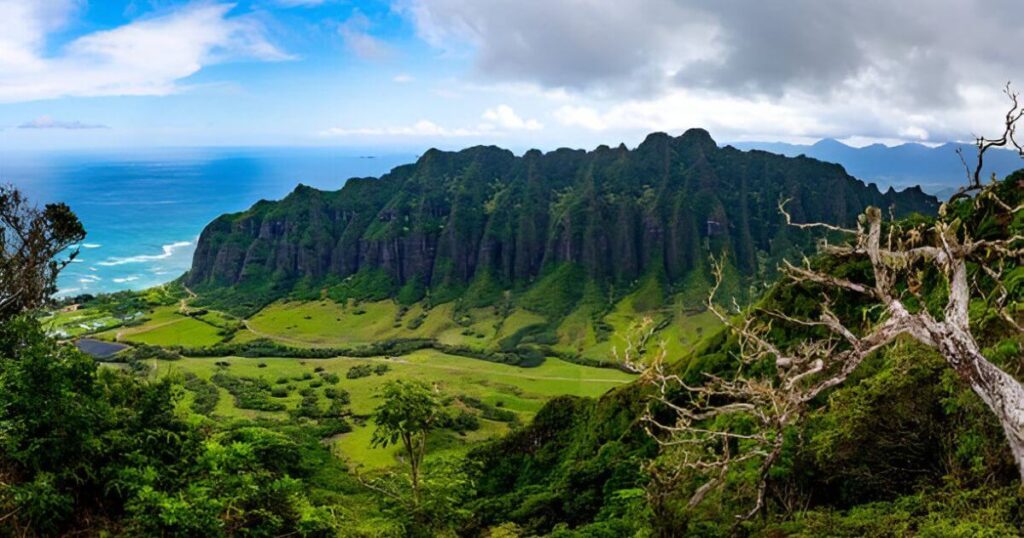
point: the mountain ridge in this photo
(938, 170)
(452, 219)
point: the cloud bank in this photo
(46, 122)
(867, 67)
(149, 56)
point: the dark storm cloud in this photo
(909, 52)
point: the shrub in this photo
(205, 394)
(361, 370)
(249, 392)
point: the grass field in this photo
(165, 326)
(70, 324)
(520, 390)
(328, 324)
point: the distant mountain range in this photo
(937, 170)
(485, 219)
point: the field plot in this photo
(166, 326)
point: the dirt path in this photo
(183, 304)
(277, 337)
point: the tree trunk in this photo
(1000, 391)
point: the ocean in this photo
(144, 209)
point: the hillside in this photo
(903, 448)
(472, 223)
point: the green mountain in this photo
(474, 223)
(903, 448)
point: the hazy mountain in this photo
(938, 170)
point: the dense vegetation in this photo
(904, 448)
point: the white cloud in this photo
(355, 32)
(300, 3)
(422, 128)
(581, 116)
(122, 280)
(497, 121)
(145, 57)
(46, 122)
(914, 132)
(506, 118)
(402, 78)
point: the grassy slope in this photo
(520, 390)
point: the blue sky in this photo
(529, 73)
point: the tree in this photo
(934, 281)
(31, 241)
(407, 414)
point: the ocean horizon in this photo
(144, 209)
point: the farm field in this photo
(519, 390)
(166, 326)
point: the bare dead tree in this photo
(983, 144)
(742, 419)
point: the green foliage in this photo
(80, 442)
(249, 392)
(408, 409)
(556, 293)
(358, 371)
(368, 285)
(204, 394)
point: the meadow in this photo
(519, 390)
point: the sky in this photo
(516, 73)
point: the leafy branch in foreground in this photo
(906, 278)
(31, 241)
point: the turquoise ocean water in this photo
(144, 209)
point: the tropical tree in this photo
(32, 241)
(408, 412)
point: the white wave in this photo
(91, 245)
(76, 260)
(168, 250)
(89, 278)
(126, 279)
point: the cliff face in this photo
(453, 217)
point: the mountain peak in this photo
(829, 143)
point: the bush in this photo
(205, 394)
(279, 392)
(309, 407)
(361, 370)
(462, 422)
(249, 392)
(340, 395)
